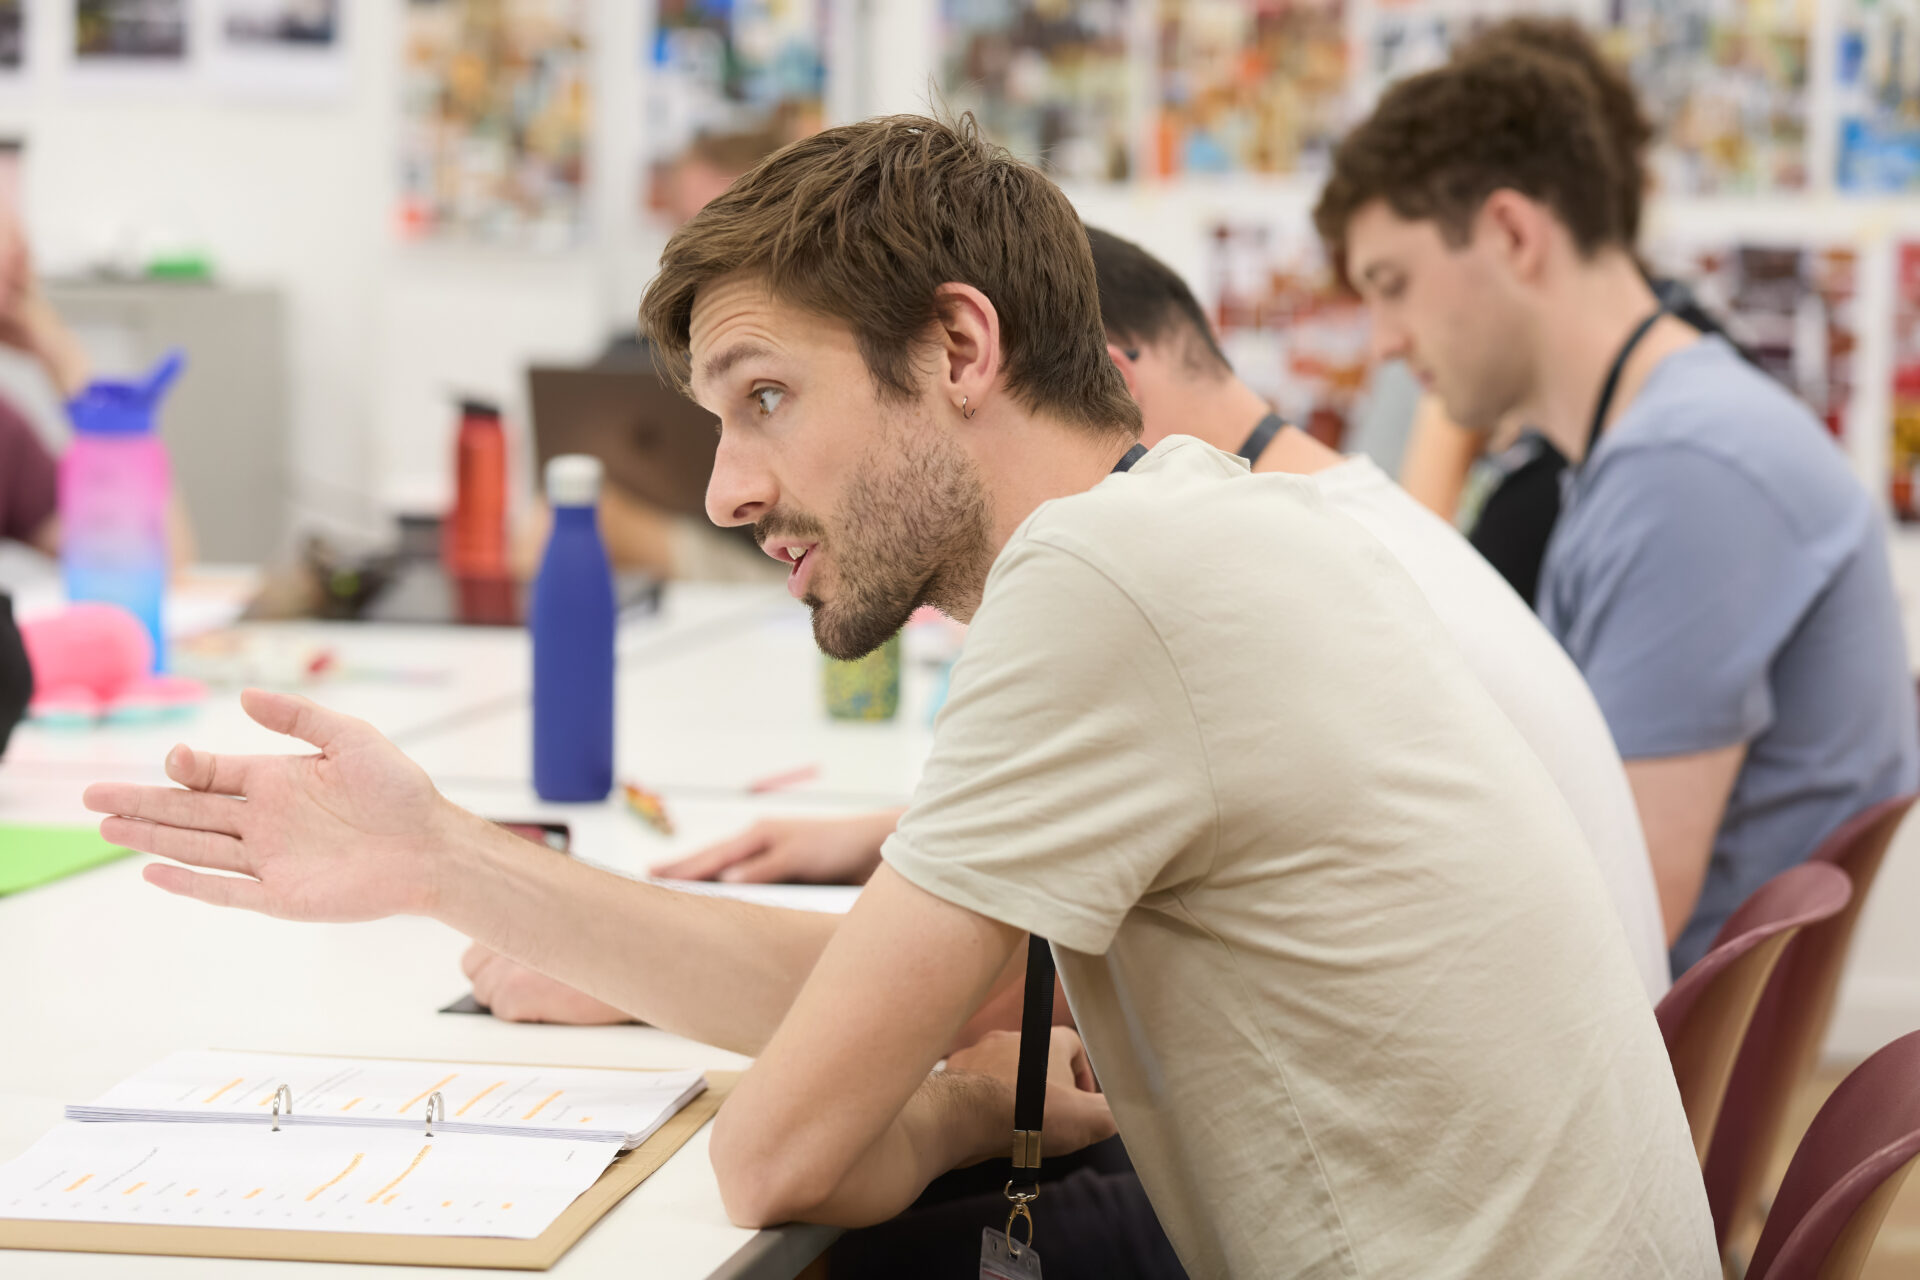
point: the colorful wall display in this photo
(1904, 445)
(1726, 82)
(1794, 307)
(1249, 86)
(1877, 90)
(494, 122)
(122, 31)
(731, 67)
(277, 23)
(280, 48)
(1290, 331)
(1410, 36)
(1052, 80)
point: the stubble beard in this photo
(913, 529)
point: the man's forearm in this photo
(714, 970)
(953, 1119)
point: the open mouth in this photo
(800, 557)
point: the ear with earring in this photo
(964, 411)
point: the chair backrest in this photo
(1704, 1017)
(1789, 1025)
(1842, 1179)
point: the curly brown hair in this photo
(1439, 143)
(1628, 127)
(864, 223)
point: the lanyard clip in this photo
(1020, 1201)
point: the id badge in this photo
(1000, 1260)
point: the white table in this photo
(107, 975)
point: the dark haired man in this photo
(1335, 1029)
(1717, 573)
(1517, 516)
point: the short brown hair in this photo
(1628, 128)
(1143, 300)
(864, 222)
(1441, 142)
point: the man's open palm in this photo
(349, 833)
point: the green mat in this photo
(33, 856)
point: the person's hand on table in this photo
(1077, 1114)
(515, 993)
(351, 833)
(792, 851)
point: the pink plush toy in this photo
(94, 662)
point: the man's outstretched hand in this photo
(355, 832)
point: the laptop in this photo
(656, 444)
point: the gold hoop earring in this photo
(964, 411)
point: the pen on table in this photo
(781, 781)
(649, 807)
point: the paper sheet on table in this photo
(31, 856)
(213, 1086)
(383, 1181)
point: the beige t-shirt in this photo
(1533, 680)
(1340, 958)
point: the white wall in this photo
(300, 195)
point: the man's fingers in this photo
(484, 976)
(196, 848)
(297, 717)
(221, 891)
(476, 958)
(770, 867)
(710, 861)
(1066, 1046)
(169, 805)
(205, 771)
(501, 991)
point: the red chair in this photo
(1788, 1027)
(1704, 1017)
(1843, 1178)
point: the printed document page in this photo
(231, 1087)
(380, 1180)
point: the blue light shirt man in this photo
(1721, 578)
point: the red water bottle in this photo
(475, 545)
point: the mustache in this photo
(783, 524)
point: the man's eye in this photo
(768, 399)
(1392, 289)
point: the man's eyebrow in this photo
(716, 365)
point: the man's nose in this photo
(741, 488)
(1388, 341)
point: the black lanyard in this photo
(1612, 383)
(1036, 1030)
(1256, 444)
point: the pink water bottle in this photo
(115, 488)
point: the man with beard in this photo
(1258, 803)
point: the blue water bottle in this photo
(572, 620)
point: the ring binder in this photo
(435, 1103)
(281, 1092)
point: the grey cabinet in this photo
(226, 421)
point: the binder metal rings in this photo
(278, 1108)
(435, 1103)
